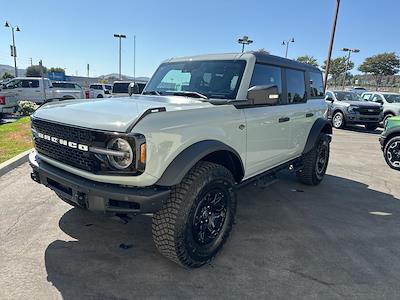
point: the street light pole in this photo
(134, 59)
(287, 45)
(14, 49)
(120, 36)
(244, 41)
(349, 51)
(328, 60)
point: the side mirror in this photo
(379, 101)
(330, 99)
(263, 95)
(133, 88)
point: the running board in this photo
(269, 177)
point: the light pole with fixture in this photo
(13, 48)
(286, 43)
(349, 51)
(120, 36)
(244, 41)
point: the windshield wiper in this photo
(189, 93)
(152, 93)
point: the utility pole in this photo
(120, 36)
(244, 41)
(134, 59)
(87, 70)
(13, 48)
(42, 75)
(31, 61)
(286, 43)
(347, 62)
(328, 59)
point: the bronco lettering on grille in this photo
(59, 141)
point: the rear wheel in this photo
(338, 120)
(194, 223)
(392, 153)
(100, 96)
(315, 162)
(371, 126)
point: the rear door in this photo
(268, 127)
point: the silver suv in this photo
(203, 127)
(390, 102)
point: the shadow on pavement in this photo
(290, 241)
(362, 129)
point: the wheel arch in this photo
(391, 134)
(320, 125)
(208, 150)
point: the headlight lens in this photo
(352, 109)
(121, 145)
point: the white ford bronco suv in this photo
(203, 127)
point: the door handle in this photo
(283, 119)
(309, 115)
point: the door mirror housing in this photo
(133, 88)
(263, 95)
(330, 99)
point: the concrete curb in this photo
(14, 162)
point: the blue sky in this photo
(70, 34)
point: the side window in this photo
(316, 84)
(366, 97)
(328, 95)
(267, 75)
(26, 83)
(377, 98)
(296, 86)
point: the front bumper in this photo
(97, 196)
(363, 119)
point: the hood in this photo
(112, 114)
(363, 104)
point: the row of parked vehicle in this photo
(41, 90)
(369, 109)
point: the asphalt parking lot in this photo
(338, 240)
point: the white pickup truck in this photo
(37, 90)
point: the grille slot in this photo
(366, 111)
(74, 157)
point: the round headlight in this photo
(352, 109)
(120, 162)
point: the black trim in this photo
(98, 196)
(319, 126)
(179, 167)
(143, 115)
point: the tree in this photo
(262, 50)
(7, 75)
(380, 65)
(338, 67)
(35, 71)
(306, 59)
(57, 70)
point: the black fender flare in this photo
(185, 160)
(320, 125)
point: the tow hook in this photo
(35, 177)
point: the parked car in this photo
(390, 102)
(203, 127)
(121, 88)
(358, 90)
(37, 90)
(70, 90)
(100, 90)
(346, 108)
(8, 104)
(390, 142)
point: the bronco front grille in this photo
(74, 157)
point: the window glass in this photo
(267, 75)
(316, 84)
(121, 87)
(366, 97)
(392, 98)
(296, 86)
(377, 98)
(218, 79)
(26, 83)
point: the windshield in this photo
(347, 96)
(210, 79)
(392, 98)
(120, 87)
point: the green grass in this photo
(15, 138)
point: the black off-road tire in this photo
(67, 200)
(312, 172)
(371, 127)
(99, 96)
(392, 162)
(174, 231)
